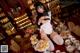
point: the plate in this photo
(42, 46)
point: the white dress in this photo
(47, 27)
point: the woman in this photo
(44, 23)
(43, 14)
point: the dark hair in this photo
(39, 4)
(45, 13)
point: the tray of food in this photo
(42, 46)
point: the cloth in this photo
(47, 28)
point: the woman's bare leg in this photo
(57, 38)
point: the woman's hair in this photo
(40, 5)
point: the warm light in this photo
(20, 17)
(29, 1)
(22, 20)
(2, 14)
(47, 0)
(25, 25)
(4, 20)
(32, 7)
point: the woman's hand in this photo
(41, 20)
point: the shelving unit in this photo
(2, 36)
(23, 21)
(6, 23)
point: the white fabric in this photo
(47, 28)
(49, 13)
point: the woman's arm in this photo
(41, 20)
